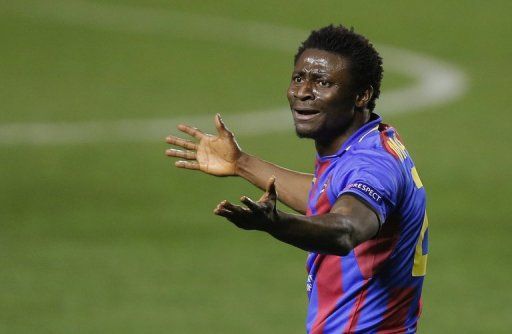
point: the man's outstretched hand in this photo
(258, 215)
(216, 155)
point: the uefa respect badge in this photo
(366, 190)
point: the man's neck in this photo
(332, 146)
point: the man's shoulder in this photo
(374, 155)
(381, 144)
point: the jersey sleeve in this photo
(376, 181)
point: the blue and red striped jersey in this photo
(376, 288)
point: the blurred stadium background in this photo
(99, 233)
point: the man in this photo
(363, 211)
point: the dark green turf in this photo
(109, 238)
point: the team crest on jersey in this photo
(309, 283)
(324, 187)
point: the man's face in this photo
(320, 95)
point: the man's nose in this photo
(305, 91)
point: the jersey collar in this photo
(358, 136)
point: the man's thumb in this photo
(271, 188)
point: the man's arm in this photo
(349, 223)
(221, 155)
(293, 186)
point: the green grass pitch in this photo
(108, 237)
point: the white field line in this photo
(435, 82)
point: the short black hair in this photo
(365, 63)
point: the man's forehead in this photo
(320, 59)
(316, 61)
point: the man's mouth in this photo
(305, 114)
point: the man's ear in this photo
(363, 98)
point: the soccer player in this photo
(362, 214)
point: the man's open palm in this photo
(216, 155)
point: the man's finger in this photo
(220, 207)
(221, 127)
(181, 142)
(253, 206)
(270, 193)
(271, 189)
(194, 132)
(232, 207)
(187, 164)
(221, 211)
(189, 155)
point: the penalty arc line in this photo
(435, 81)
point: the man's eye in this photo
(297, 79)
(324, 83)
